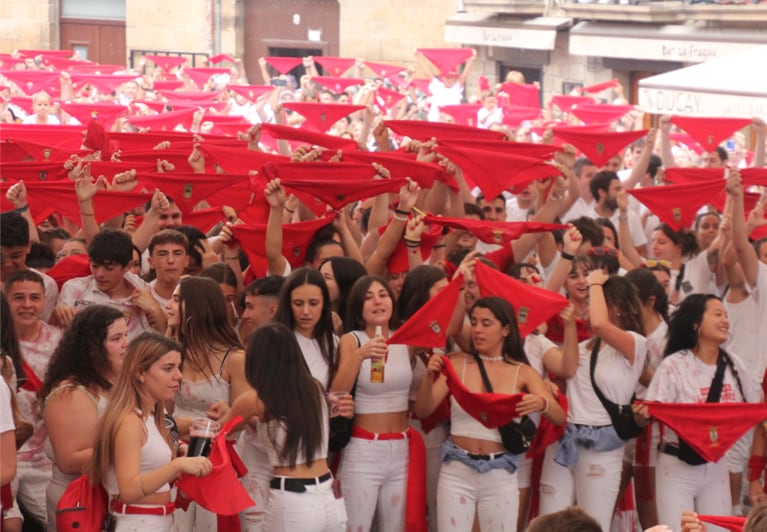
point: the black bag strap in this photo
(715, 391)
(483, 372)
(612, 408)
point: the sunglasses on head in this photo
(602, 252)
(657, 264)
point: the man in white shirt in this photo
(605, 186)
(584, 170)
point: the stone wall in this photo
(29, 24)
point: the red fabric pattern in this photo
(251, 92)
(532, 305)
(33, 81)
(398, 261)
(283, 65)
(201, 75)
(188, 189)
(238, 160)
(401, 166)
(305, 136)
(220, 58)
(166, 62)
(709, 131)
(599, 87)
(464, 114)
(321, 116)
(680, 175)
(710, 428)
(219, 492)
(495, 171)
(566, 102)
(421, 130)
(104, 84)
(337, 84)
(165, 121)
(677, 205)
(334, 66)
(754, 177)
(599, 113)
(522, 94)
(524, 149)
(514, 115)
(730, 522)
(446, 59)
(384, 70)
(69, 268)
(492, 232)
(491, 409)
(555, 329)
(386, 99)
(599, 147)
(428, 326)
(295, 238)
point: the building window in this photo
(93, 9)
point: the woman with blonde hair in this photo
(133, 455)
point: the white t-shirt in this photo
(748, 336)
(441, 95)
(684, 378)
(580, 208)
(537, 345)
(6, 416)
(318, 366)
(656, 345)
(698, 278)
(614, 375)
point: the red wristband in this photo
(755, 467)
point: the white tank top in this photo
(463, 424)
(155, 453)
(391, 395)
(272, 435)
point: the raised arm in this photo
(620, 340)
(665, 142)
(743, 249)
(275, 196)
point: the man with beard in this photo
(605, 187)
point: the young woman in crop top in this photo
(75, 391)
(214, 367)
(374, 465)
(133, 456)
(293, 426)
(477, 473)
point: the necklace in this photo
(491, 359)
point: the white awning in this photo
(679, 43)
(483, 29)
(733, 86)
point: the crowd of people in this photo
(156, 273)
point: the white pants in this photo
(593, 483)
(373, 473)
(144, 523)
(256, 481)
(462, 491)
(315, 510)
(704, 488)
(195, 519)
(433, 441)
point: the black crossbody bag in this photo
(516, 436)
(621, 415)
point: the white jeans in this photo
(373, 473)
(704, 488)
(433, 441)
(315, 510)
(195, 519)
(144, 523)
(593, 483)
(29, 486)
(255, 481)
(462, 491)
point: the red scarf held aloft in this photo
(321, 116)
(167, 62)
(522, 94)
(597, 113)
(250, 92)
(710, 131)
(710, 428)
(427, 327)
(283, 65)
(677, 205)
(599, 87)
(597, 146)
(334, 66)
(464, 114)
(515, 115)
(446, 59)
(422, 130)
(201, 75)
(492, 232)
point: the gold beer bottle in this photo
(377, 363)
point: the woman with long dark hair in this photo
(293, 426)
(214, 366)
(340, 274)
(134, 455)
(693, 354)
(380, 407)
(585, 467)
(478, 472)
(76, 390)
